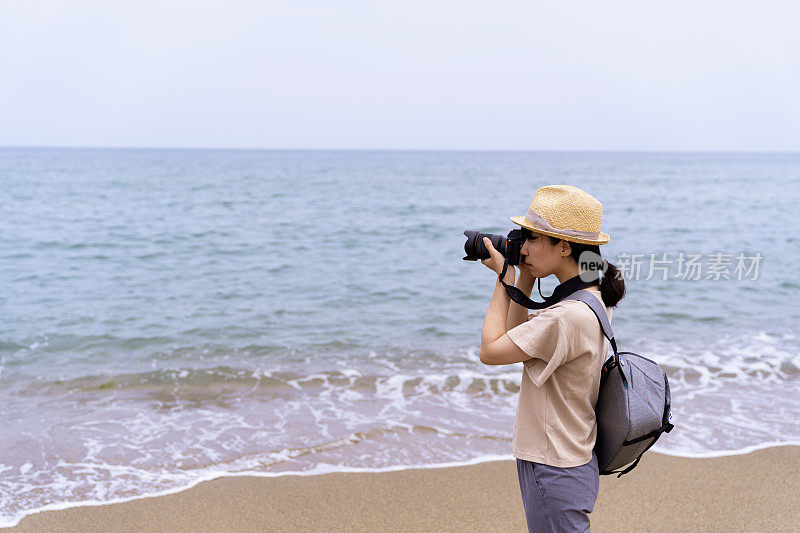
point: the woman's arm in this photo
(518, 314)
(496, 347)
(494, 324)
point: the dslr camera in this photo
(509, 245)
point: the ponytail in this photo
(612, 286)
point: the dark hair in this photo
(612, 286)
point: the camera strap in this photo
(559, 293)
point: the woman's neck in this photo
(568, 271)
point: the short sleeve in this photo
(544, 338)
(534, 314)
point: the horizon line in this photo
(500, 150)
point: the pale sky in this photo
(461, 74)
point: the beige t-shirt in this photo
(555, 422)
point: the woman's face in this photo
(540, 257)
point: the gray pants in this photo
(558, 499)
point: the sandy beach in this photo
(759, 491)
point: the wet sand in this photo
(759, 491)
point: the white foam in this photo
(743, 358)
(725, 453)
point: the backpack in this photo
(633, 405)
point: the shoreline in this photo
(755, 490)
(59, 506)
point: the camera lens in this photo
(475, 249)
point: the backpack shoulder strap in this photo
(590, 300)
(605, 325)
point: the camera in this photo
(509, 245)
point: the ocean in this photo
(170, 316)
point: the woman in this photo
(562, 349)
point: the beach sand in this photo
(759, 491)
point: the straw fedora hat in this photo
(565, 212)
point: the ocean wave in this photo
(748, 359)
(756, 357)
(235, 380)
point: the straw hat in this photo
(565, 212)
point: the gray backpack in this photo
(633, 405)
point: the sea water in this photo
(168, 316)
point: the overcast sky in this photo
(461, 74)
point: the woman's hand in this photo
(525, 275)
(495, 262)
